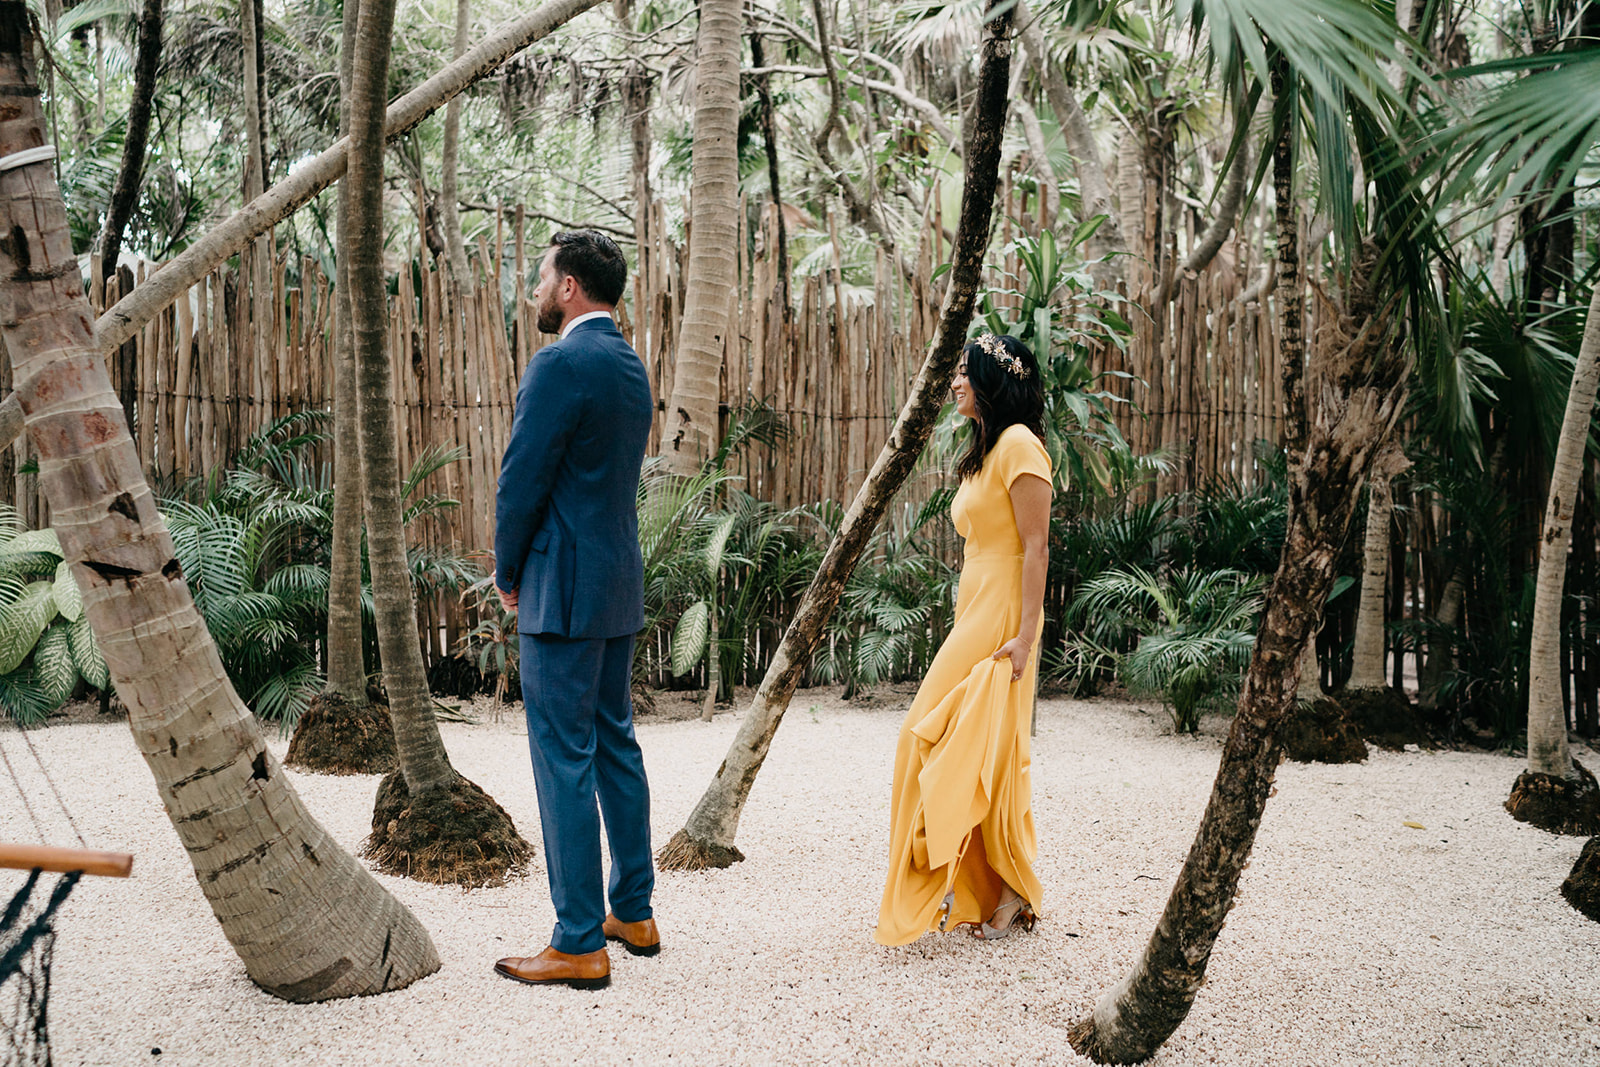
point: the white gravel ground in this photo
(1357, 940)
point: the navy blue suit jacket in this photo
(566, 513)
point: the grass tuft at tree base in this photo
(1559, 805)
(1582, 887)
(1319, 732)
(335, 736)
(454, 835)
(684, 853)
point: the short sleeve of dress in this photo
(1019, 452)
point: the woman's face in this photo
(966, 402)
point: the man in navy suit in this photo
(567, 561)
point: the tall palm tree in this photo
(342, 731)
(309, 922)
(1320, 62)
(1529, 140)
(429, 823)
(689, 434)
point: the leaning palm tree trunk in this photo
(707, 838)
(307, 920)
(1339, 411)
(429, 823)
(128, 315)
(1555, 792)
(689, 433)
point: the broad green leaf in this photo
(21, 624)
(69, 599)
(86, 654)
(689, 637)
(53, 667)
(32, 541)
(718, 543)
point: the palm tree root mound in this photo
(1560, 805)
(1319, 732)
(454, 835)
(684, 853)
(1582, 887)
(1384, 716)
(335, 736)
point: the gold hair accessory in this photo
(991, 344)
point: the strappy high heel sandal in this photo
(945, 909)
(1021, 915)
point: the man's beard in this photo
(550, 318)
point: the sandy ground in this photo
(1356, 939)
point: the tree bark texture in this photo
(1548, 752)
(347, 666)
(423, 760)
(689, 434)
(1356, 391)
(707, 838)
(134, 311)
(449, 197)
(308, 921)
(255, 182)
(130, 175)
(1367, 670)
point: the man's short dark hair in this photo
(594, 260)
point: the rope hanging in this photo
(27, 926)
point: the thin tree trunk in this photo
(1548, 752)
(125, 192)
(260, 257)
(707, 839)
(347, 667)
(307, 920)
(449, 198)
(135, 310)
(423, 760)
(769, 134)
(1368, 659)
(428, 821)
(636, 101)
(1357, 398)
(689, 433)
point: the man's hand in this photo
(508, 597)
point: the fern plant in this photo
(1191, 632)
(254, 543)
(46, 645)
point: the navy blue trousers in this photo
(580, 729)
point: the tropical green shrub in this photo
(46, 645)
(254, 543)
(1190, 633)
(897, 607)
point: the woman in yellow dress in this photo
(961, 839)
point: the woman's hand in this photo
(1017, 648)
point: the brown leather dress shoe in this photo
(640, 938)
(592, 970)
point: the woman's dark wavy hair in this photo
(1002, 398)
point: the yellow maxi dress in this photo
(961, 815)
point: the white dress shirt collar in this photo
(571, 323)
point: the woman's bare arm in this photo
(1030, 503)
